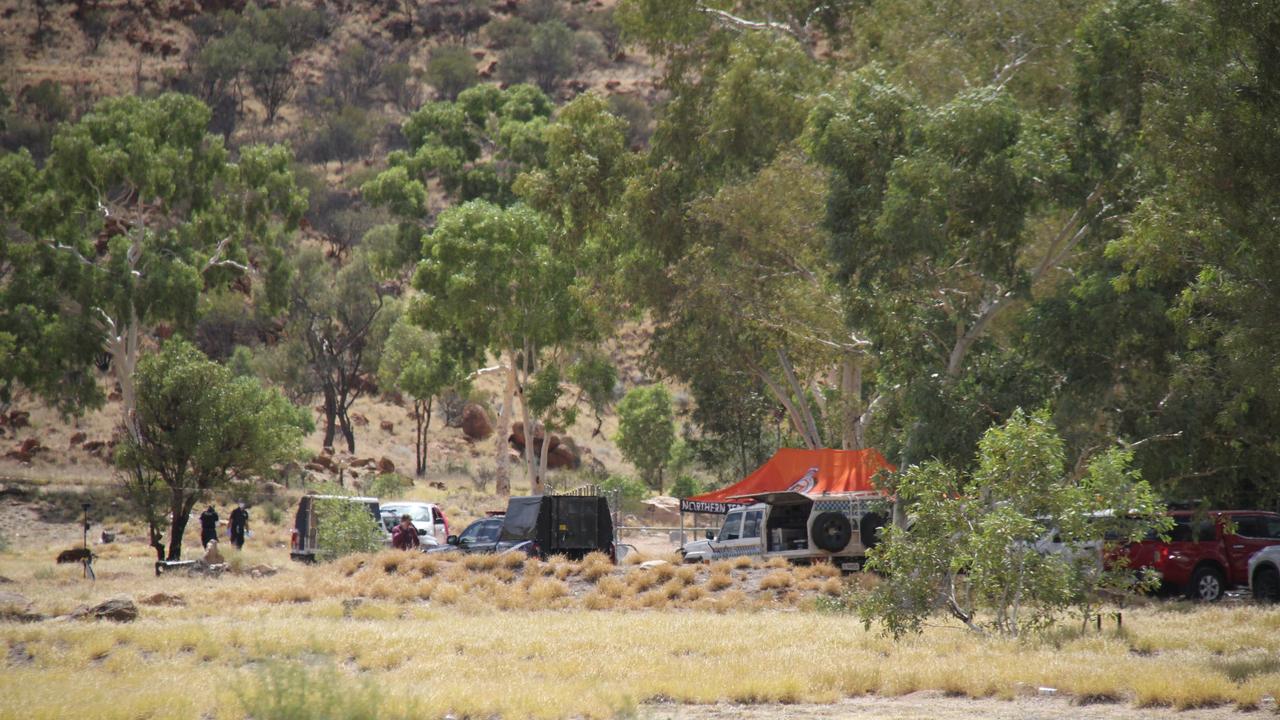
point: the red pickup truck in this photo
(1207, 553)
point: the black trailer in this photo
(570, 525)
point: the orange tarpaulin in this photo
(796, 470)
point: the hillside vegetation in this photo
(890, 224)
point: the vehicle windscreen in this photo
(732, 529)
(484, 531)
(416, 513)
(521, 522)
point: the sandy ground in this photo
(936, 706)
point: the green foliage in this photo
(974, 548)
(686, 486)
(294, 691)
(199, 427)
(475, 147)
(344, 528)
(240, 364)
(258, 47)
(630, 490)
(205, 219)
(546, 55)
(646, 431)
(336, 314)
(345, 133)
(388, 485)
(450, 70)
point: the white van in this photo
(802, 528)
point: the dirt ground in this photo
(936, 706)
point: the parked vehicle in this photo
(1207, 553)
(433, 526)
(544, 525)
(302, 539)
(801, 528)
(1264, 574)
(480, 536)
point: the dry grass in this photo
(618, 635)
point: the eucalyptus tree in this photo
(199, 429)
(137, 211)
(474, 147)
(491, 274)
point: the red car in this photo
(1207, 553)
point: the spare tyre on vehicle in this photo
(832, 531)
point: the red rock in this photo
(77, 438)
(475, 423)
(388, 427)
(359, 420)
(385, 466)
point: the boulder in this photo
(662, 510)
(94, 447)
(385, 466)
(119, 609)
(361, 462)
(76, 439)
(31, 446)
(475, 423)
(387, 426)
(322, 461)
(651, 564)
(359, 420)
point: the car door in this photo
(480, 536)
(439, 526)
(731, 542)
(1250, 533)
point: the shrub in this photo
(388, 485)
(450, 70)
(630, 490)
(344, 528)
(646, 432)
(403, 85)
(291, 691)
(341, 135)
(546, 57)
(638, 115)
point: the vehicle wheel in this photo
(870, 532)
(1266, 585)
(832, 531)
(1207, 585)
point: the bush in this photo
(291, 691)
(545, 58)
(450, 70)
(646, 432)
(504, 34)
(638, 115)
(344, 528)
(403, 85)
(388, 485)
(341, 135)
(686, 486)
(630, 490)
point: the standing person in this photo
(208, 526)
(405, 536)
(239, 524)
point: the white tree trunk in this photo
(502, 463)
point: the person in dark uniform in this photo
(208, 526)
(239, 524)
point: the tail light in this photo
(1162, 557)
(537, 551)
(293, 539)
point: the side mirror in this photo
(452, 540)
(711, 535)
